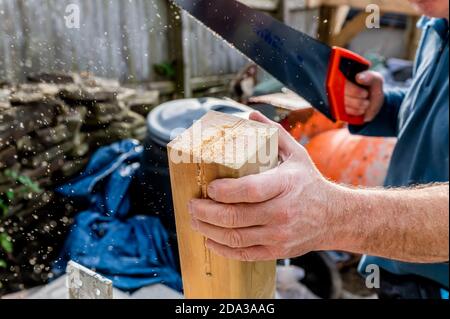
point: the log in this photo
(19, 121)
(43, 158)
(29, 146)
(218, 146)
(143, 102)
(77, 94)
(54, 78)
(4, 99)
(8, 157)
(53, 135)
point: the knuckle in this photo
(234, 238)
(283, 251)
(279, 127)
(273, 252)
(286, 184)
(244, 255)
(280, 236)
(350, 111)
(290, 179)
(363, 93)
(198, 209)
(350, 102)
(356, 104)
(284, 217)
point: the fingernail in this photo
(191, 207)
(366, 103)
(194, 224)
(362, 77)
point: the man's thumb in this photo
(287, 143)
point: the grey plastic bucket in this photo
(170, 118)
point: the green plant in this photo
(4, 207)
(6, 246)
(6, 198)
(24, 180)
(5, 243)
(166, 69)
(29, 186)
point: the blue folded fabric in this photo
(131, 251)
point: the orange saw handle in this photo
(344, 65)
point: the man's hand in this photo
(278, 214)
(366, 100)
(292, 210)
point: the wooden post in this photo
(218, 146)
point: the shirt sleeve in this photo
(385, 124)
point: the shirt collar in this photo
(441, 26)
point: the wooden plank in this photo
(289, 101)
(205, 82)
(196, 83)
(218, 146)
(163, 87)
(351, 30)
(57, 290)
(264, 5)
(334, 12)
(341, 17)
(327, 23)
(393, 6)
(86, 284)
(313, 3)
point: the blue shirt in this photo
(419, 118)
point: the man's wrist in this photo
(346, 208)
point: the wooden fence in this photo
(126, 39)
(119, 39)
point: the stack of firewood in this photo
(49, 127)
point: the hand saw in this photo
(312, 69)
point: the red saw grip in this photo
(344, 65)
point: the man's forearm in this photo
(409, 225)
